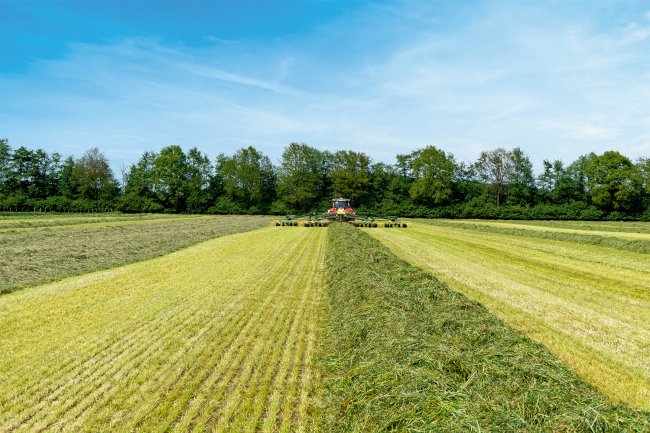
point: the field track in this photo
(219, 336)
(590, 305)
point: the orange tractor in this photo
(340, 211)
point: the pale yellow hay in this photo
(216, 336)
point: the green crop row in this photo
(403, 352)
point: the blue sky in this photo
(557, 78)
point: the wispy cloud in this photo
(386, 80)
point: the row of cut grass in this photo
(589, 305)
(402, 352)
(607, 226)
(87, 222)
(39, 255)
(219, 336)
(627, 241)
(621, 231)
(29, 220)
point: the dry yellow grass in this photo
(65, 222)
(623, 234)
(217, 337)
(589, 305)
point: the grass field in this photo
(402, 352)
(38, 249)
(623, 236)
(588, 303)
(283, 329)
(217, 336)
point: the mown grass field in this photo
(41, 248)
(216, 337)
(587, 302)
(403, 352)
(292, 329)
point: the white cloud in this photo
(513, 76)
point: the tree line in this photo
(427, 182)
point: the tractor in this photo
(341, 211)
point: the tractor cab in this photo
(341, 209)
(341, 203)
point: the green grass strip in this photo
(402, 352)
(619, 243)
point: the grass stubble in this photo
(216, 337)
(45, 249)
(402, 352)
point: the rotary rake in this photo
(340, 212)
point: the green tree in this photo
(171, 178)
(248, 177)
(643, 164)
(400, 184)
(495, 168)
(549, 180)
(560, 185)
(198, 181)
(576, 178)
(141, 177)
(44, 174)
(521, 182)
(68, 186)
(351, 175)
(20, 170)
(93, 176)
(434, 171)
(302, 176)
(5, 165)
(615, 182)
(32, 173)
(381, 176)
(466, 184)
(53, 175)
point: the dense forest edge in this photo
(428, 183)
